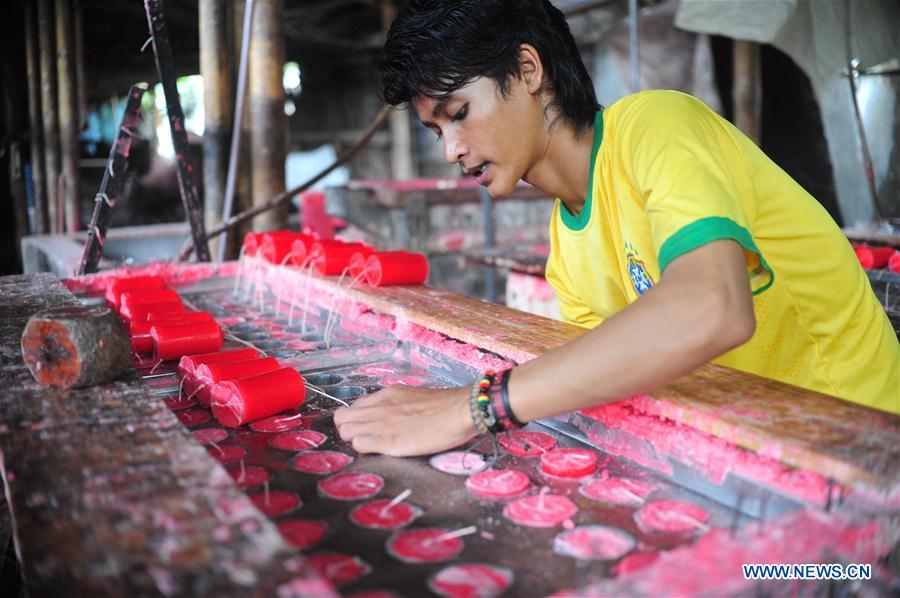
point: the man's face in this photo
(496, 139)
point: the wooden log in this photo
(72, 347)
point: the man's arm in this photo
(701, 308)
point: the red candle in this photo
(188, 364)
(117, 286)
(208, 375)
(396, 268)
(300, 250)
(172, 341)
(142, 342)
(237, 402)
(131, 298)
(138, 312)
(251, 243)
(274, 247)
(894, 262)
(332, 257)
(873, 257)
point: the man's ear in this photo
(531, 70)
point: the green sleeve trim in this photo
(576, 223)
(706, 230)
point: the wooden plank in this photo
(110, 494)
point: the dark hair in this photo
(435, 47)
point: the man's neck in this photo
(564, 169)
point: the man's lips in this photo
(477, 170)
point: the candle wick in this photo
(540, 503)
(309, 271)
(631, 494)
(316, 389)
(266, 491)
(216, 446)
(243, 472)
(196, 390)
(465, 531)
(158, 363)
(181, 387)
(278, 298)
(297, 280)
(396, 501)
(240, 272)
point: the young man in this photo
(674, 238)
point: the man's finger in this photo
(367, 443)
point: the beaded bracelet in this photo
(505, 418)
(480, 401)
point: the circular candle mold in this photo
(277, 502)
(617, 491)
(525, 443)
(376, 369)
(498, 483)
(179, 403)
(312, 338)
(302, 534)
(337, 567)
(402, 380)
(298, 441)
(426, 545)
(209, 435)
(227, 454)
(458, 462)
(268, 345)
(671, 517)
(347, 392)
(594, 542)
(321, 462)
(193, 417)
(279, 423)
(249, 476)
(381, 514)
(244, 328)
(351, 485)
(471, 580)
(324, 379)
(540, 510)
(569, 462)
(254, 336)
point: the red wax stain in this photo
(298, 441)
(321, 462)
(403, 380)
(498, 483)
(525, 443)
(381, 514)
(426, 545)
(376, 370)
(671, 516)
(594, 542)
(179, 403)
(471, 581)
(618, 491)
(302, 534)
(337, 567)
(277, 502)
(248, 477)
(458, 462)
(634, 562)
(193, 417)
(351, 485)
(209, 435)
(569, 462)
(540, 510)
(227, 454)
(279, 423)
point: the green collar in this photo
(578, 222)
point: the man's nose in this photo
(454, 149)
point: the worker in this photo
(674, 238)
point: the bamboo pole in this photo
(39, 224)
(47, 50)
(267, 135)
(80, 72)
(68, 113)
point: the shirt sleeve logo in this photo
(641, 280)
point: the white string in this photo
(241, 264)
(309, 270)
(465, 531)
(297, 279)
(332, 317)
(325, 394)
(147, 43)
(397, 500)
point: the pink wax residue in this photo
(193, 417)
(426, 545)
(617, 491)
(351, 485)
(381, 514)
(402, 380)
(227, 454)
(525, 443)
(279, 423)
(637, 430)
(458, 462)
(498, 483)
(249, 477)
(594, 542)
(540, 510)
(634, 562)
(376, 369)
(179, 403)
(471, 581)
(302, 534)
(374, 594)
(298, 441)
(277, 502)
(569, 462)
(337, 567)
(210, 435)
(321, 462)
(671, 516)
(312, 585)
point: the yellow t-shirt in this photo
(668, 176)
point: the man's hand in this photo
(403, 421)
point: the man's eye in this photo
(461, 113)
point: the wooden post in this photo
(745, 88)
(68, 113)
(80, 73)
(403, 166)
(242, 197)
(217, 103)
(267, 121)
(36, 122)
(47, 46)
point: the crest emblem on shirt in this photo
(641, 280)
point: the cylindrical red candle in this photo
(894, 262)
(300, 249)
(138, 312)
(172, 341)
(117, 286)
(273, 247)
(188, 364)
(210, 374)
(396, 268)
(331, 259)
(142, 342)
(130, 298)
(237, 402)
(873, 257)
